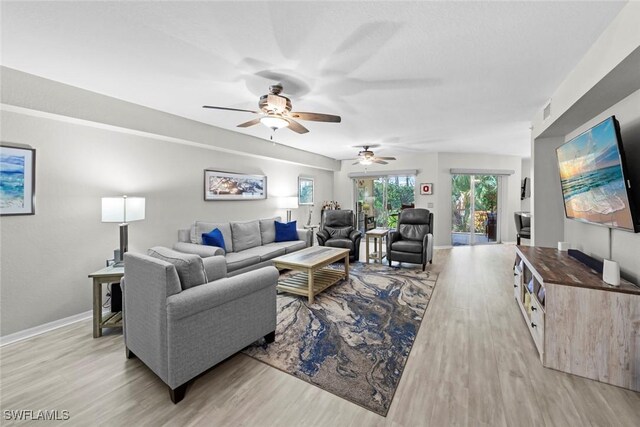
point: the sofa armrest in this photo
(215, 267)
(323, 236)
(205, 297)
(203, 251)
(306, 235)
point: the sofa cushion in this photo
(266, 252)
(289, 247)
(339, 232)
(286, 232)
(236, 260)
(412, 246)
(340, 243)
(245, 235)
(189, 267)
(214, 238)
(268, 230)
(200, 227)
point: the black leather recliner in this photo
(338, 231)
(523, 225)
(413, 240)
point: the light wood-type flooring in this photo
(473, 363)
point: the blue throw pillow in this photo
(214, 238)
(286, 232)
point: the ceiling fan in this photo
(367, 157)
(275, 113)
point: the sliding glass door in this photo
(379, 199)
(474, 205)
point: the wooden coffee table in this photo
(313, 277)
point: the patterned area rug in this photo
(355, 339)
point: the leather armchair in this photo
(523, 225)
(338, 231)
(413, 240)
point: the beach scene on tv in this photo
(592, 181)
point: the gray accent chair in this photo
(338, 231)
(413, 240)
(523, 225)
(179, 329)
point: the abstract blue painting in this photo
(17, 167)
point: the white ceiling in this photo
(411, 76)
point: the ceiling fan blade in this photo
(297, 127)
(249, 123)
(382, 162)
(386, 158)
(229, 109)
(316, 117)
(356, 163)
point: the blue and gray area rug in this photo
(355, 339)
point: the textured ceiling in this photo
(411, 76)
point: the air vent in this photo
(547, 111)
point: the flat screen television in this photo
(594, 181)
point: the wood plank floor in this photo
(473, 363)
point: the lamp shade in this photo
(288, 202)
(122, 209)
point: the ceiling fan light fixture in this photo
(366, 161)
(274, 122)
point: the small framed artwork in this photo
(233, 186)
(17, 180)
(426, 188)
(305, 191)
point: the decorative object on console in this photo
(314, 341)
(17, 180)
(564, 246)
(288, 203)
(611, 273)
(233, 186)
(123, 209)
(286, 232)
(426, 188)
(305, 191)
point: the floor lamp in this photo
(122, 209)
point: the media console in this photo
(579, 324)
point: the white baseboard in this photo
(41, 329)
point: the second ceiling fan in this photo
(275, 113)
(367, 157)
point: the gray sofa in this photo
(249, 244)
(182, 315)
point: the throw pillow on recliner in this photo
(339, 233)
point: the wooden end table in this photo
(109, 274)
(313, 277)
(378, 235)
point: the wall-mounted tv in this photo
(594, 181)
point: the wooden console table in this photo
(579, 324)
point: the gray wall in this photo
(46, 257)
(592, 239)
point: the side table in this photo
(378, 235)
(312, 228)
(112, 320)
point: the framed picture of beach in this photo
(17, 180)
(233, 186)
(305, 191)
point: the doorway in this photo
(379, 200)
(474, 206)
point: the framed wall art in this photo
(426, 188)
(305, 191)
(233, 186)
(17, 180)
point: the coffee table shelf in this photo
(299, 283)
